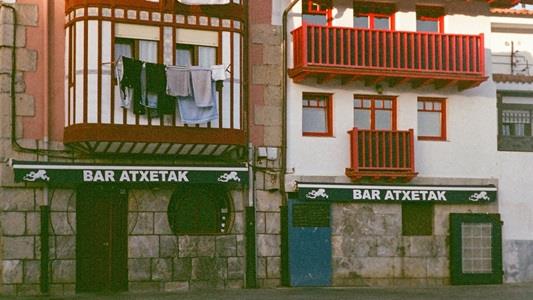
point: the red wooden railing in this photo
(382, 151)
(388, 50)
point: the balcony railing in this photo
(398, 56)
(377, 154)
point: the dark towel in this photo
(132, 79)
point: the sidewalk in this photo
(504, 292)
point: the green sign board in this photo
(397, 193)
(51, 173)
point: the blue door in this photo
(309, 243)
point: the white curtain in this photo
(148, 51)
(203, 2)
(122, 50)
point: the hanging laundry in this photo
(218, 72)
(202, 86)
(191, 113)
(178, 81)
(130, 84)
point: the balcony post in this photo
(412, 149)
(354, 134)
(304, 41)
(482, 54)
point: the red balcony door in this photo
(374, 112)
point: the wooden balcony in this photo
(395, 57)
(382, 154)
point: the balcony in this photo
(382, 154)
(395, 57)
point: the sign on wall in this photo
(80, 173)
(397, 193)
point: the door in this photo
(475, 249)
(101, 239)
(309, 235)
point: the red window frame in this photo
(376, 10)
(429, 13)
(329, 112)
(373, 108)
(314, 7)
(442, 112)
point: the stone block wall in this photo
(368, 248)
(158, 260)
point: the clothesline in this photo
(227, 69)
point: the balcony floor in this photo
(392, 77)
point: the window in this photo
(144, 50)
(374, 15)
(430, 19)
(431, 119)
(194, 55)
(317, 12)
(515, 112)
(195, 209)
(374, 112)
(417, 219)
(316, 114)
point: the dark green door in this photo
(476, 249)
(101, 239)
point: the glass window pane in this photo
(383, 119)
(367, 103)
(378, 103)
(315, 19)
(381, 23)
(183, 57)
(427, 25)
(429, 124)
(437, 106)
(314, 120)
(428, 105)
(206, 56)
(148, 51)
(357, 102)
(123, 49)
(420, 105)
(360, 22)
(361, 118)
(388, 103)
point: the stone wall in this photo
(368, 247)
(158, 260)
(266, 130)
(518, 258)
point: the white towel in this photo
(218, 72)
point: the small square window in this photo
(429, 19)
(417, 219)
(431, 119)
(316, 115)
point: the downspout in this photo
(285, 276)
(45, 208)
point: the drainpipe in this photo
(285, 276)
(45, 209)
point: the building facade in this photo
(110, 182)
(402, 138)
(348, 143)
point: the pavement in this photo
(485, 292)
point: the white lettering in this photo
(87, 175)
(124, 176)
(442, 195)
(109, 175)
(154, 176)
(397, 194)
(389, 196)
(366, 195)
(172, 177)
(424, 194)
(144, 176)
(182, 176)
(406, 195)
(432, 196)
(134, 175)
(98, 176)
(163, 175)
(357, 194)
(415, 196)
(375, 194)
